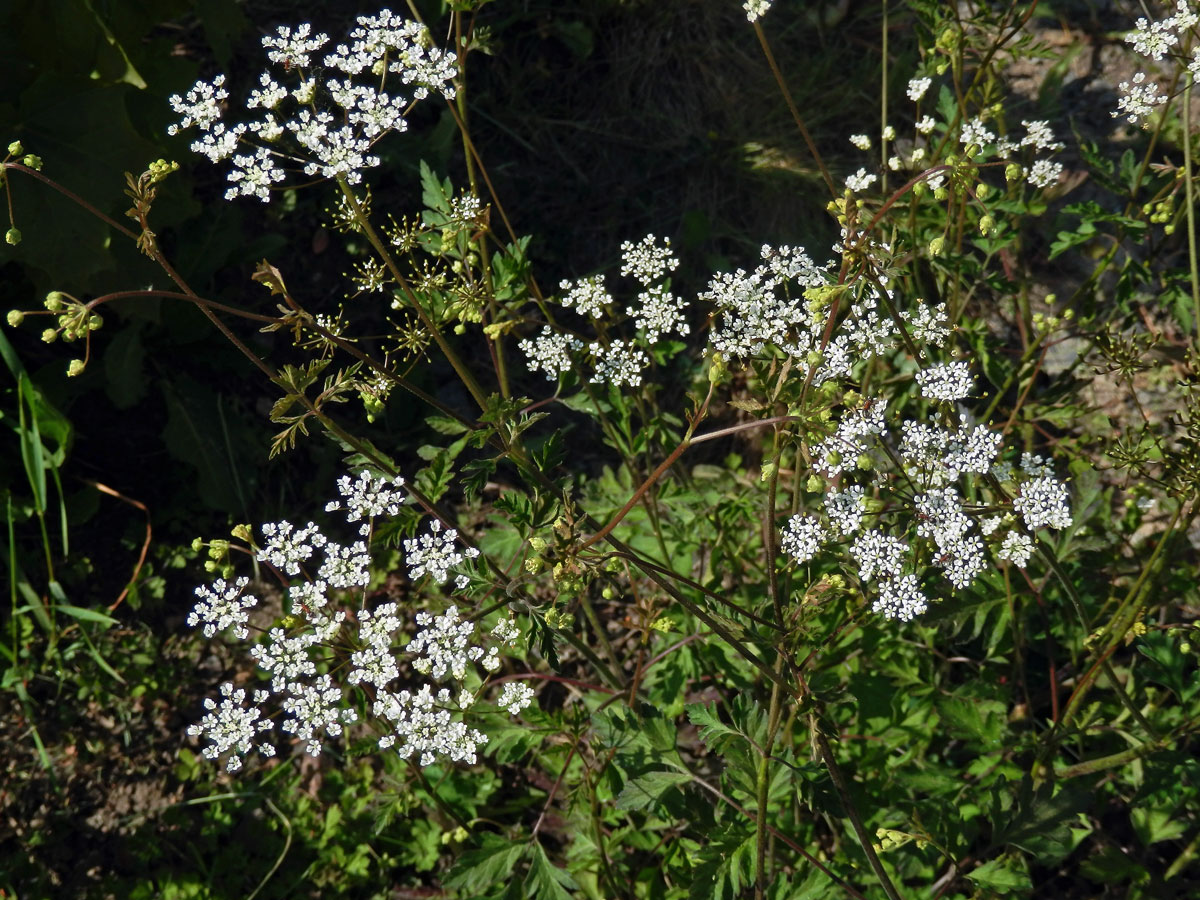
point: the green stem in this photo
(1191, 202)
(464, 373)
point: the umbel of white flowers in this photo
(323, 120)
(328, 620)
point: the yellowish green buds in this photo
(75, 368)
(15, 317)
(13, 236)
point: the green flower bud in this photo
(864, 462)
(768, 470)
(937, 245)
(210, 566)
(1013, 172)
(15, 317)
(218, 548)
(1168, 229)
(243, 533)
(717, 369)
(50, 335)
(94, 322)
(941, 194)
(987, 225)
(982, 191)
(608, 593)
(534, 564)
(54, 301)
(34, 162)
(973, 150)
(75, 368)
(15, 149)
(13, 236)
(538, 544)
(815, 484)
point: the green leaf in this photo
(85, 615)
(1154, 824)
(545, 880)
(648, 789)
(477, 870)
(435, 194)
(1002, 875)
(124, 368)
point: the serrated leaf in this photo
(477, 870)
(648, 789)
(546, 880)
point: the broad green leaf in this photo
(1002, 875)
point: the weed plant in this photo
(859, 572)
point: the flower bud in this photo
(243, 533)
(13, 236)
(982, 190)
(937, 245)
(197, 544)
(54, 301)
(815, 484)
(34, 162)
(1013, 172)
(15, 317)
(94, 322)
(608, 593)
(987, 225)
(50, 335)
(75, 368)
(15, 149)
(941, 194)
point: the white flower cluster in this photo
(756, 9)
(436, 553)
(330, 629)
(550, 352)
(587, 295)
(1156, 40)
(656, 312)
(902, 520)
(948, 382)
(333, 122)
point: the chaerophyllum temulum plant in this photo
(891, 484)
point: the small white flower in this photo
(948, 382)
(550, 352)
(647, 260)
(756, 9)
(1044, 173)
(802, 538)
(926, 124)
(861, 141)
(618, 364)
(223, 606)
(1044, 501)
(846, 508)
(587, 295)
(1016, 547)
(900, 598)
(917, 88)
(515, 697)
(861, 180)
